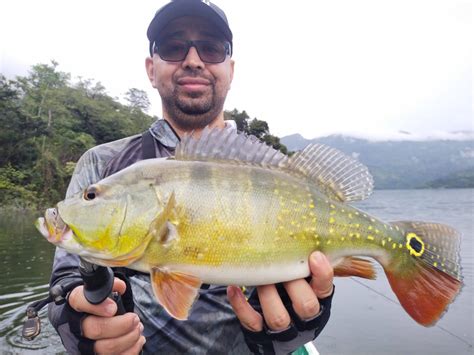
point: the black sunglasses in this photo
(176, 50)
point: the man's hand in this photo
(112, 334)
(304, 297)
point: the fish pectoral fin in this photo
(352, 266)
(162, 227)
(175, 291)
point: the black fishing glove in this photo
(300, 332)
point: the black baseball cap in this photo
(180, 8)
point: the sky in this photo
(370, 68)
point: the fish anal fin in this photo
(352, 266)
(424, 293)
(175, 291)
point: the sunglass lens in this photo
(172, 50)
(211, 51)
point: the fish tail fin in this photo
(428, 277)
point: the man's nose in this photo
(193, 60)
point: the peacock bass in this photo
(227, 209)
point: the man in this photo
(191, 67)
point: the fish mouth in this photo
(53, 228)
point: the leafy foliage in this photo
(255, 127)
(48, 123)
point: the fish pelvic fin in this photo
(431, 279)
(175, 291)
(352, 266)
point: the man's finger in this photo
(108, 308)
(249, 317)
(119, 344)
(136, 348)
(322, 275)
(94, 327)
(304, 301)
(274, 311)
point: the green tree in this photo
(258, 128)
(240, 119)
(137, 100)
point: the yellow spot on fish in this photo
(332, 213)
(372, 220)
(315, 236)
(357, 225)
(332, 220)
(318, 242)
(394, 245)
(350, 215)
(377, 231)
(342, 238)
(370, 228)
(332, 206)
(293, 223)
(383, 242)
(311, 205)
(328, 242)
(435, 264)
(396, 227)
(356, 213)
(369, 237)
(389, 239)
(400, 245)
(343, 211)
(331, 230)
(276, 191)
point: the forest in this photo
(48, 121)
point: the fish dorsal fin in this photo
(336, 174)
(228, 145)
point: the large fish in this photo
(228, 209)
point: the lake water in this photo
(366, 316)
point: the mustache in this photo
(193, 73)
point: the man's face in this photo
(192, 91)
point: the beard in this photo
(191, 111)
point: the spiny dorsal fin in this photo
(228, 145)
(339, 176)
(335, 172)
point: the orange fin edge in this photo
(352, 266)
(425, 293)
(175, 291)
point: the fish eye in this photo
(90, 193)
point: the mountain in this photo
(404, 164)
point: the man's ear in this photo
(231, 74)
(150, 70)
